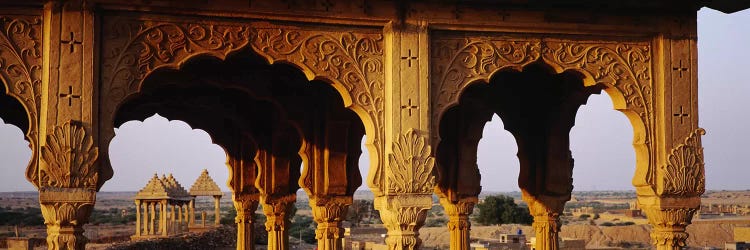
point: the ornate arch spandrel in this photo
(21, 72)
(624, 68)
(133, 48)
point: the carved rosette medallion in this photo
(21, 72)
(351, 61)
(68, 158)
(411, 165)
(683, 175)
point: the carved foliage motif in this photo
(69, 157)
(411, 165)
(683, 173)
(134, 48)
(21, 59)
(625, 66)
(21, 70)
(459, 62)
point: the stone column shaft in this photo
(152, 217)
(163, 218)
(137, 218)
(191, 213)
(217, 211)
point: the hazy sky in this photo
(600, 141)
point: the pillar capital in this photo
(669, 224)
(546, 211)
(403, 216)
(458, 220)
(65, 211)
(245, 204)
(277, 210)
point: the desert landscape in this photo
(113, 222)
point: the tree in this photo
(500, 209)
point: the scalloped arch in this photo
(20, 74)
(623, 68)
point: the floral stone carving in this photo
(683, 173)
(411, 165)
(68, 158)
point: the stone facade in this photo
(281, 83)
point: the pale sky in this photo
(601, 141)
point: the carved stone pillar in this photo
(458, 221)
(277, 218)
(245, 206)
(404, 194)
(329, 213)
(71, 170)
(546, 211)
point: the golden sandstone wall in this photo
(302, 81)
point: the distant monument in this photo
(204, 186)
(160, 198)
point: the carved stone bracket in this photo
(411, 165)
(69, 157)
(21, 72)
(683, 175)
